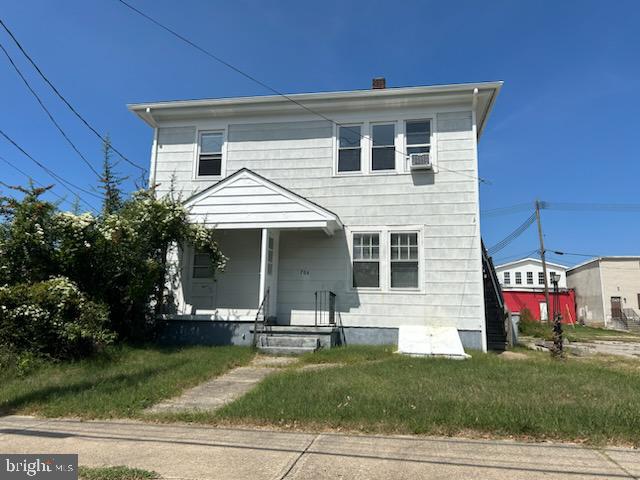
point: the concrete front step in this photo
(271, 350)
(289, 341)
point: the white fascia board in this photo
(350, 100)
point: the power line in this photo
(505, 210)
(53, 120)
(66, 102)
(591, 207)
(265, 85)
(513, 235)
(60, 197)
(557, 252)
(517, 255)
(64, 182)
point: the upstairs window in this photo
(366, 260)
(383, 150)
(349, 148)
(529, 278)
(518, 278)
(507, 278)
(404, 260)
(202, 265)
(210, 154)
(540, 278)
(418, 136)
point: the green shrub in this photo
(51, 319)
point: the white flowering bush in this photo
(118, 258)
(52, 319)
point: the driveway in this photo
(200, 452)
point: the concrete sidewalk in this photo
(199, 452)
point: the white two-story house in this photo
(329, 198)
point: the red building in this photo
(517, 301)
(522, 283)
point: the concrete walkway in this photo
(178, 451)
(219, 391)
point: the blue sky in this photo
(564, 129)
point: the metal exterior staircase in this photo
(494, 307)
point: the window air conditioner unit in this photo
(420, 161)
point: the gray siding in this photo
(299, 156)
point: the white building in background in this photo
(305, 205)
(526, 274)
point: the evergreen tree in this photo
(110, 182)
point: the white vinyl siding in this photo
(301, 155)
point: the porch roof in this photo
(248, 200)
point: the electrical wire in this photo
(513, 235)
(46, 110)
(65, 183)
(267, 86)
(66, 102)
(60, 197)
(591, 207)
(494, 212)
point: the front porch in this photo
(250, 215)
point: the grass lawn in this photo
(115, 473)
(535, 397)
(576, 333)
(121, 382)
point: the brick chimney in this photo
(378, 83)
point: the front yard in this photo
(120, 382)
(529, 397)
(576, 333)
(520, 394)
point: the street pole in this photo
(542, 257)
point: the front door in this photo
(616, 308)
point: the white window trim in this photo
(385, 258)
(432, 145)
(366, 144)
(380, 261)
(397, 154)
(223, 163)
(336, 148)
(420, 261)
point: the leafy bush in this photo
(531, 327)
(51, 319)
(119, 258)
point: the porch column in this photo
(264, 248)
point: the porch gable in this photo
(248, 200)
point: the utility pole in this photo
(542, 257)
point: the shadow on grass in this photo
(104, 385)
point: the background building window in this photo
(202, 265)
(518, 278)
(529, 278)
(540, 278)
(210, 156)
(270, 256)
(404, 260)
(349, 148)
(366, 260)
(383, 150)
(507, 278)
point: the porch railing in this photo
(325, 313)
(261, 316)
